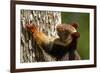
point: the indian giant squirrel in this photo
(66, 43)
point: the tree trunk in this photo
(47, 22)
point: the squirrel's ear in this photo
(75, 25)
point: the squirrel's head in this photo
(31, 27)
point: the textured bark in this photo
(47, 22)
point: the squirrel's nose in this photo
(29, 26)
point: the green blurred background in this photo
(83, 21)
